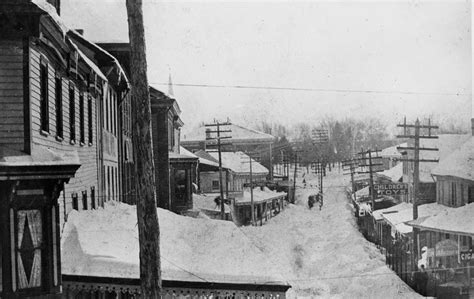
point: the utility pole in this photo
(363, 157)
(218, 138)
(350, 165)
(251, 188)
(320, 137)
(416, 167)
(147, 216)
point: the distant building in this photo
(243, 139)
(446, 143)
(237, 172)
(175, 171)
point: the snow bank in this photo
(322, 253)
(104, 243)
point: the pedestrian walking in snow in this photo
(311, 201)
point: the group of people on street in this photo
(315, 198)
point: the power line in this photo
(314, 89)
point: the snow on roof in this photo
(239, 133)
(452, 220)
(363, 192)
(104, 243)
(185, 152)
(206, 158)
(395, 173)
(446, 143)
(393, 209)
(459, 163)
(392, 151)
(51, 11)
(399, 218)
(39, 156)
(89, 62)
(259, 195)
(203, 202)
(239, 163)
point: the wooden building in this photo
(243, 139)
(121, 51)
(446, 143)
(175, 172)
(58, 139)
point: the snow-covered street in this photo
(322, 254)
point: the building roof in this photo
(393, 209)
(398, 218)
(446, 143)
(460, 163)
(259, 196)
(395, 173)
(104, 243)
(450, 220)
(238, 162)
(392, 151)
(239, 134)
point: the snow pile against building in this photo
(104, 243)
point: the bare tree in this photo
(148, 228)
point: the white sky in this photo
(409, 46)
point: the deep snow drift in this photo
(322, 254)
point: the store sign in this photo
(446, 248)
(391, 189)
(466, 256)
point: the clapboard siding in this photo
(11, 95)
(86, 176)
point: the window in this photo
(84, 200)
(470, 194)
(29, 248)
(453, 194)
(93, 197)
(59, 107)
(1, 273)
(215, 184)
(44, 97)
(72, 113)
(75, 203)
(81, 119)
(89, 120)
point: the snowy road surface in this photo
(322, 254)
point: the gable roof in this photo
(238, 162)
(460, 163)
(239, 134)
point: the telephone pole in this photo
(351, 165)
(363, 157)
(252, 213)
(148, 227)
(320, 137)
(218, 138)
(416, 136)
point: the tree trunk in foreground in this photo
(148, 228)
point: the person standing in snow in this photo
(423, 280)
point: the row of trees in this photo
(345, 138)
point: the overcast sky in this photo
(384, 59)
